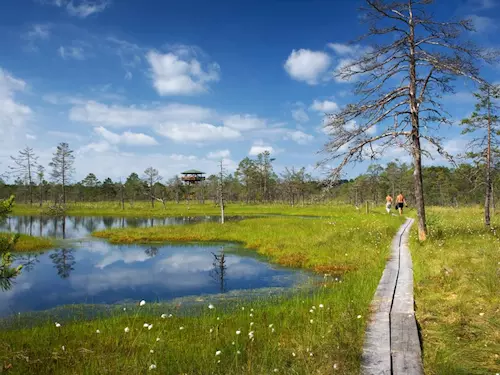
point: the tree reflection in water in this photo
(152, 251)
(64, 261)
(218, 273)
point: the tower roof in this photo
(192, 171)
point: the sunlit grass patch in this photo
(457, 284)
(27, 243)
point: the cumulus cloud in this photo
(38, 31)
(325, 106)
(307, 66)
(258, 148)
(197, 132)
(299, 137)
(346, 54)
(219, 154)
(244, 122)
(177, 73)
(300, 115)
(12, 113)
(482, 24)
(126, 138)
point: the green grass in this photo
(457, 292)
(350, 248)
(30, 243)
(143, 209)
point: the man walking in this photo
(400, 203)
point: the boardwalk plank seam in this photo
(392, 345)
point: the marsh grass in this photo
(457, 291)
(304, 338)
(143, 209)
(27, 243)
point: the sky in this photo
(178, 85)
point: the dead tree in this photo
(398, 85)
(221, 191)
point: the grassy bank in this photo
(30, 243)
(312, 334)
(457, 291)
(144, 209)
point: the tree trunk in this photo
(415, 135)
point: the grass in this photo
(143, 209)
(457, 292)
(30, 243)
(305, 334)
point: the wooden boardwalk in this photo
(392, 345)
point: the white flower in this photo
(97, 331)
(218, 361)
(481, 314)
(270, 325)
(293, 354)
(142, 303)
(127, 330)
(251, 324)
(150, 326)
(243, 307)
(63, 348)
(163, 316)
(321, 306)
(310, 354)
(157, 339)
(359, 317)
(314, 307)
(211, 330)
(145, 325)
(181, 328)
(124, 309)
(311, 321)
(58, 325)
(169, 315)
(218, 352)
(151, 351)
(335, 366)
(311, 311)
(238, 352)
(238, 332)
(272, 330)
(218, 318)
(250, 334)
(251, 315)
(152, 367)
(251, 309)
(211, 306)
(275, 370)
(232, 343)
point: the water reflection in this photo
(71, 227)
(97, 272)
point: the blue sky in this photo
(181, 84)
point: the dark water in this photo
(96, 272)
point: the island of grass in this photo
(303, 334)
(27, 243)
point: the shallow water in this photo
(84, 270)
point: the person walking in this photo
(400, 203)
(388, 203)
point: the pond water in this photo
(84, 270)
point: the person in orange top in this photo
(388, 203)
(400, 203)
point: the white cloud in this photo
(244, 122)
(346, 54)
(306, 65)
(197, 132)
(127, 116)
(348, 49)
(12, 113)
(71, 52)
(257, 149)
(325, 106)
(80, 8)
(179, 74)
(30, 136)
(300, 115)
(482, 24)
(126, 138)
(98, 147)
(483, 4)
(219, 154)
(299, 136)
